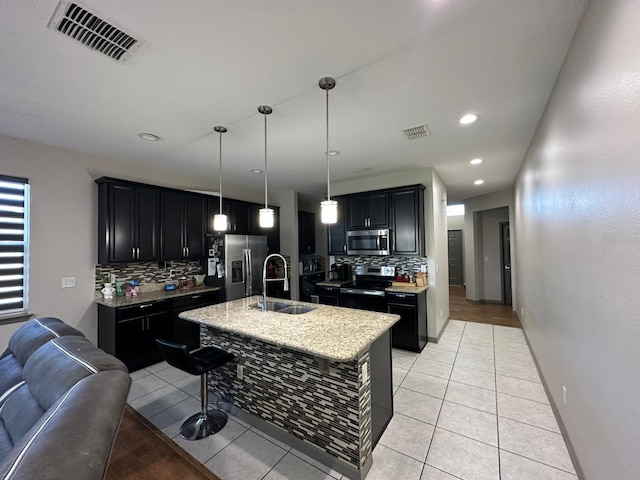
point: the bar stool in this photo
(199, 362)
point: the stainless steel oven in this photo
(369, 242)
(368, 292)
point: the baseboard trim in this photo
(556, 413)
(482, 302)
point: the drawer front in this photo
(142, 309)
(402, 298)
(194, 300)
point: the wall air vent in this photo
(78, 22)
(417, 132)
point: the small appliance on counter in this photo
(340, 272)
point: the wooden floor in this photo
(142, 452)
(461, 309)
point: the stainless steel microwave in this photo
(369, 242)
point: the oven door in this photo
(368, 242)
(373, 300)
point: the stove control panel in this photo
(378, 271)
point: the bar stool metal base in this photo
(200, 426)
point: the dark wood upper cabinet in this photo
(128, 223)
(368, 210)
(140, 222)
(337, 232)
(239, 215)
(182, 225)
(306, 233)
(407, 226)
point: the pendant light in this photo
(220, 219)
(328, 207)
(265, 215)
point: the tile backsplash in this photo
(151, 275)
(404, 265)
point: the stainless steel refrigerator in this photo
(235, 262)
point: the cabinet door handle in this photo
(344, 248)
(133, 252)
(187, 251)
(138, 253)
(142, 321)
(145, 305)
(147, 323)
(195, 296)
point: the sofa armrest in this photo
(74, 437)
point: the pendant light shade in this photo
(266, 214)
(328, 207)
(219, 219)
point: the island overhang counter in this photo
(320, 381)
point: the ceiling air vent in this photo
(417, 132)
(78, 22)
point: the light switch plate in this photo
(68, 282)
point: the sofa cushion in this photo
(26, 340)
(48, 375)
(74, 437)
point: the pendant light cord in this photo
(220, 156)
(327, 151)
(265, 162)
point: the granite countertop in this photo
(407, 289)
(335, 333)
(154, 296)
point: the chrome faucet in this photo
(265, 279)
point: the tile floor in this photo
(470, 407)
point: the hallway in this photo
(494, 314)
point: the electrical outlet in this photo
(564, 395)
(423, 268)
(68, 282)
(365, 372)
(240, 370)
(172, 273)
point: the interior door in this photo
(505, 247)
(455, 257)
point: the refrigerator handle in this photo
(249, 285)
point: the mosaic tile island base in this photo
(308, 377)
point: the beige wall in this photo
(64, 223)
(438, 254)
(577, 202)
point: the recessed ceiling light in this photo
(256, 170)
(150, 137)
(333, 153)
(478, 182)
(476, 161)
(468, 119)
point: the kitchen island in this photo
(320, 381)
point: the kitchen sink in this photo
(281, 307)
(296, 310)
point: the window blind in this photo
(14, 245)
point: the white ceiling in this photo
(397, 64)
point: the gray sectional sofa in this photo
(61, 402)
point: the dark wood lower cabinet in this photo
(184, 331)
(129, 333)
